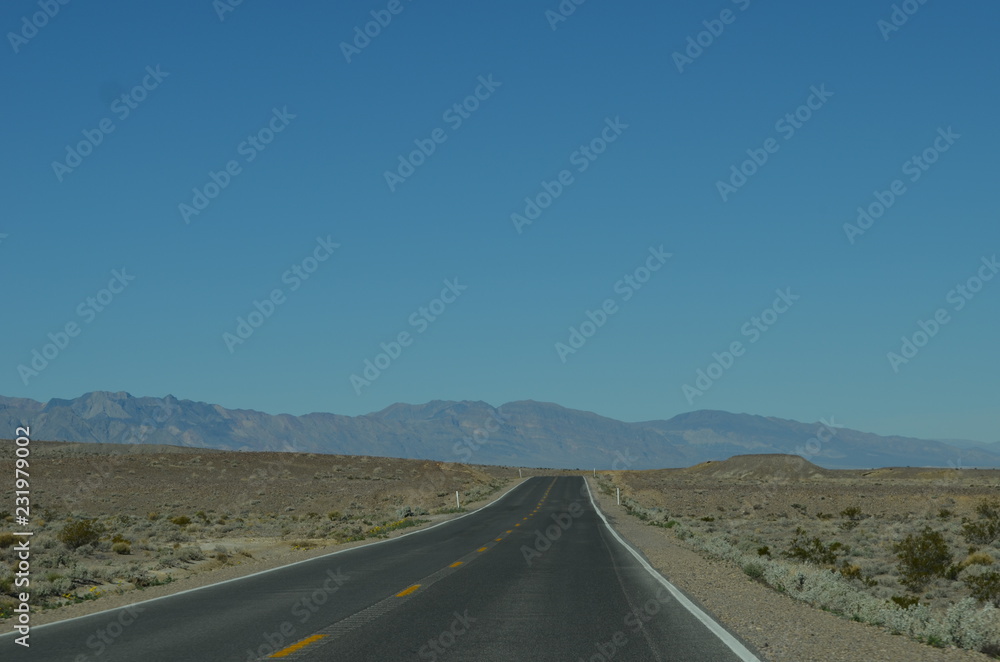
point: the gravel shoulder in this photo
(781, 628)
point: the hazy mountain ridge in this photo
(524, 433)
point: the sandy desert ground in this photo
(119, 523)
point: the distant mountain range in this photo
(524, 433)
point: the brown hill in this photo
(766, 466)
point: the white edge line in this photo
(728, 639)
(280, 567)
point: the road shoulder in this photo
(780, 628)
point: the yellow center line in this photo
(518, 524)
(499, 539)
(407, 591)
(455, 564)
(481, 549)
(284, 652)
(509, 530)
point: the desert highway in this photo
(536, 575)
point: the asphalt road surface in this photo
(538, 576)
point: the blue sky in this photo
(885, 96)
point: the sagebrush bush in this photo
(985, 587)
(189, 554)
(987, 528)
(922, 557)
(813, 550)
(84, 532)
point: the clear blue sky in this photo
(323, 175)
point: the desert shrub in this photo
(121, 548)
(753, 570)
(181, 520)
(922, 557)
(764, 551)
(663, 525)
(853, 571)
(7, 539)
(905, 601)
(138, 577)
(813, 550)
(977, 558)
(153, 516)
(189, 554)
(77, 534)
(987, 528)
(985, 587)
(852, 516)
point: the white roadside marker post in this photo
(458, 504)
(618, 490)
